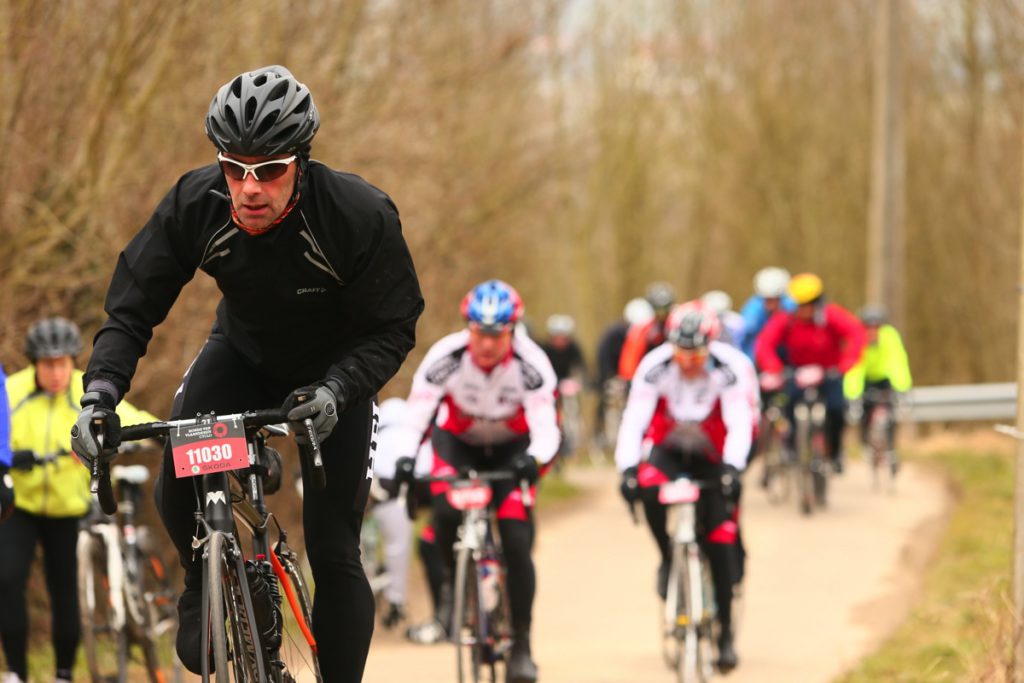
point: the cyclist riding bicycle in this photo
(570, 369)
(821, 333)
(689, 410)
(609, 350)
(319, 309)
(52, 495)
(645, 336)
(769, 297)
(490, 396)
(562, 349)
(733, 326)
(884, 366)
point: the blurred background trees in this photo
(579, 149)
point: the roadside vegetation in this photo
(960, 626)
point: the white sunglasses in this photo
(271, 170)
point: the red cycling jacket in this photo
(833, 338)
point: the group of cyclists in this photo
(320, 302)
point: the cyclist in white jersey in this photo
(490, 396)
(689, 410)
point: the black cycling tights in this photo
(18, 538)
(723, 557)
(516, 534)
(219, 380)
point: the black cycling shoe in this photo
(189, 641)
(392, 616)
(521, 667)
(663, 571)
(727, 657)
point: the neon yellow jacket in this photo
(42, 423)
(885, 359)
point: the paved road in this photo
(821, 591)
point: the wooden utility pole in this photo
(1018, 497)
(886, 237)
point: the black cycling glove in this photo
(97, 418)
(405, 471)
(316, 402)
(6, 494)
(630, 488)
(731, 482)
(525, 468)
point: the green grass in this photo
(958, 629)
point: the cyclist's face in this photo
(487, 349)
(53, 375)
(805, 311)
(872, 333)
(691, 362)
(771, 305)
(259, 204)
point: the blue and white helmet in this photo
(492, 306)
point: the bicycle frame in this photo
(689, 609)
(223, 508)
(809, 412)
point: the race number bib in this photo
(209, 446)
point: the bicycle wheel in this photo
(101, 601)
(694, 619)
(159, 617)
(468, 621)
(230, 629)
(675, 605)
(298, 649)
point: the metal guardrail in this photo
(955, 402)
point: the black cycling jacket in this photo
(330, 292)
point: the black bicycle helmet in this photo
(53, 338)
(263, 113)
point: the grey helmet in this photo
(660, 296)
(873, 316)
(53, 338)
(263, 113)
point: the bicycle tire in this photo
(693, 619)
(160, 617)
(297, 653)
(104, 639)
(237, 653)
(673, 606)
(467, 621)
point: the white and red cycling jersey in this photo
(483, 408)
(721, 400)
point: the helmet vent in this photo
(259, 80)
(250, 111)
(236, 87)
(279, 91)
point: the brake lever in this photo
(318, 474)
(99, 482)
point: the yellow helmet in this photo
(805, 288)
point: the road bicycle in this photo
(773, 432)
(124, 593)
(809, 413)
(571, 414)
(242, 626)
(615, 390)
(124, 589)
(879, 402)
(481, 622)
(688, 615)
